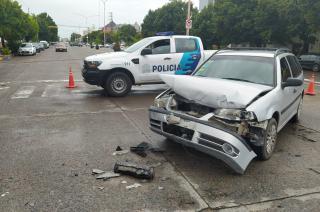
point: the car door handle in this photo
(294, 90)
(167, 58)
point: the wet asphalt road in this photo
(51, 138)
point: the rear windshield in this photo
(26, 45)
(258, 70)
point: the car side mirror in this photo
(146, 51)
(292, 82)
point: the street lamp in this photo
(104, 21)
(188, 21)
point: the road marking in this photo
(3, 88)
(51, 91)
(23, 93)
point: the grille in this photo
(155, 123)
(178, 131)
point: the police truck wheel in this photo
(315, 67)
(265, 151)
(118, 84)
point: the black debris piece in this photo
(140, 149)
(119, 148)
(157, 150)
(135, 170)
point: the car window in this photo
(285, 70)
(295, 68)
(258, 70)
(185, 45)
(160, 47)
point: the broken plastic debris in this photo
(123, 182)
(100, 188)
(122, 152)
(138, 171)
(136, 185)
(4, 194)
(140, 149)
(97, 171)
(160, 188)
(107, 175)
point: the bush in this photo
(6, 51)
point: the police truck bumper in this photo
(91, 76)
(203, 136)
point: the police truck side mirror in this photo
(146, 51)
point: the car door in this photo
(187, 55)
(158, 62)
(296, 91)
(286, 93)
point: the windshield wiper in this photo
(237, 79)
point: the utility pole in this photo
(188, 21)
(104, 22)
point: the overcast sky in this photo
(72, 12)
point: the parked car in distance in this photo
(42, 47)
(233, 106)
(27, 49)
(310, 61)
(45, 43)
(61, 47)
(38, 48)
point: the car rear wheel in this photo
(265, 151)
(118, 84)
(315, 67)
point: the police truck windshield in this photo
(259, 70)
(138, 45)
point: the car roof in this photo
(253, 53)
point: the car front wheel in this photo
(315, 67)
(265, 151)
(118, 84)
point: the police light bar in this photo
(164, 33)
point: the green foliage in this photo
(127, 33)
(170, 17)
(75, 37)
(32, 27)
(6, 51)
(47, 28)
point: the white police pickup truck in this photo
(144, 62)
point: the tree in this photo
(75, 37)
(12, 23)
(127, 33)
(32, 28)
(170, 17)
(48, 28)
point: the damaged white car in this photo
(233, 106)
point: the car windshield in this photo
(138, 45)
(26, 45)
(259, 70)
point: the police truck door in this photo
(159, 61)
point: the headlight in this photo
(165, 101)
(94, 64)
(234, 114)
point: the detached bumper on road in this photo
(203, 136)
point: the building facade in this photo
(204, 3)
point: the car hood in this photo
(216, 93)
(108, 55)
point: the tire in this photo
(297, 117)
(118, 84)
(265, 151)
(315, 67)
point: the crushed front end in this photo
(226, 134)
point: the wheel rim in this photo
(315, 68)
(119, 85)
(271, 138)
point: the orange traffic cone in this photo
(311, 87)
(71, 80)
